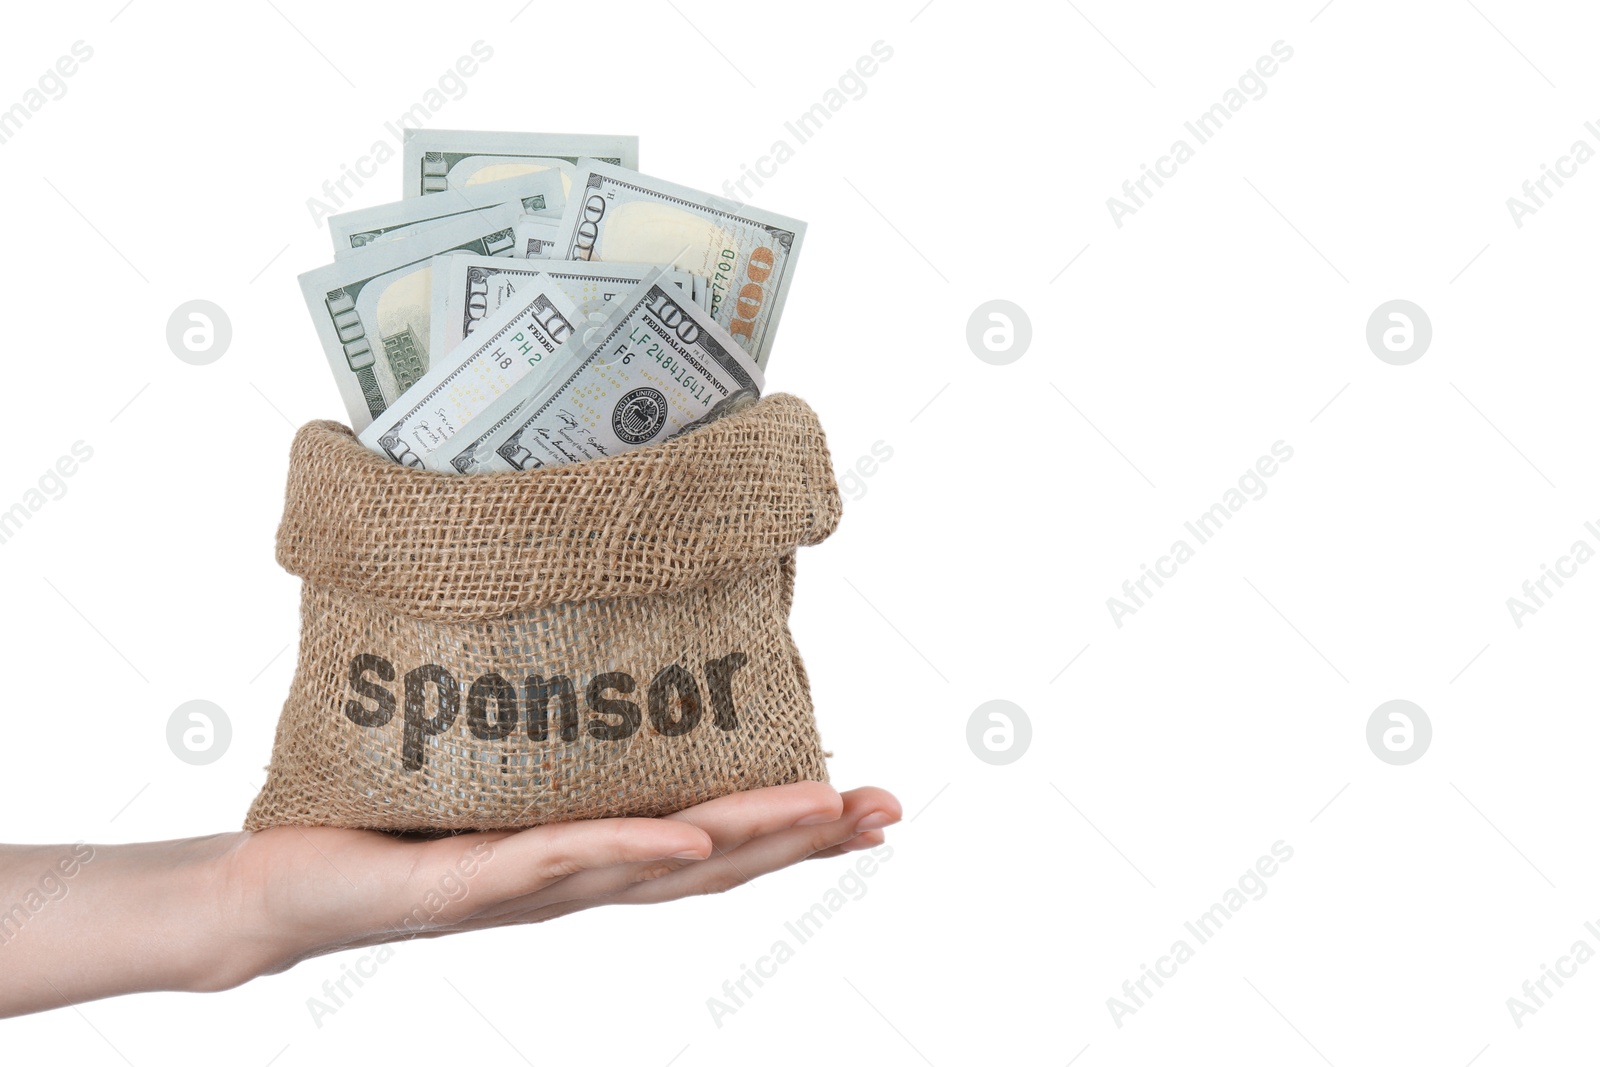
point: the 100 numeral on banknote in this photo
(620, 216)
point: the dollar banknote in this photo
(538, 194)
(536, 237)
(371, 308)
(468, 290)
(659, 367)
(436, 160)
(748, 255)
(516, 341)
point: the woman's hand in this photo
(211, 913)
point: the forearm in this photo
(79, 922)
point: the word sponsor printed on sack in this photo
(614, 718)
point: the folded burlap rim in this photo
(727, 497)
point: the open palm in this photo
(314, 890)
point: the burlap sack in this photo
(502, 650)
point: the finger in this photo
(730, 821)
(864, 809)
(871, 800)
(526, 862)
(864, 840)
(588, 889)
(744, 864)
(734, 819)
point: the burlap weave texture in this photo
(502, 650)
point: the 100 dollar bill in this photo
(371, 308)
(537, 194)
(515, 342)
(748, 255)
(660, 366)
(468, 290)
(436, 160)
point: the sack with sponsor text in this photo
(495, 651)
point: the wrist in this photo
(219, 934)
(174, 919)
(239, 937)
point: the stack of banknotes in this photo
(535, 300)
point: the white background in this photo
(1227, 314)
